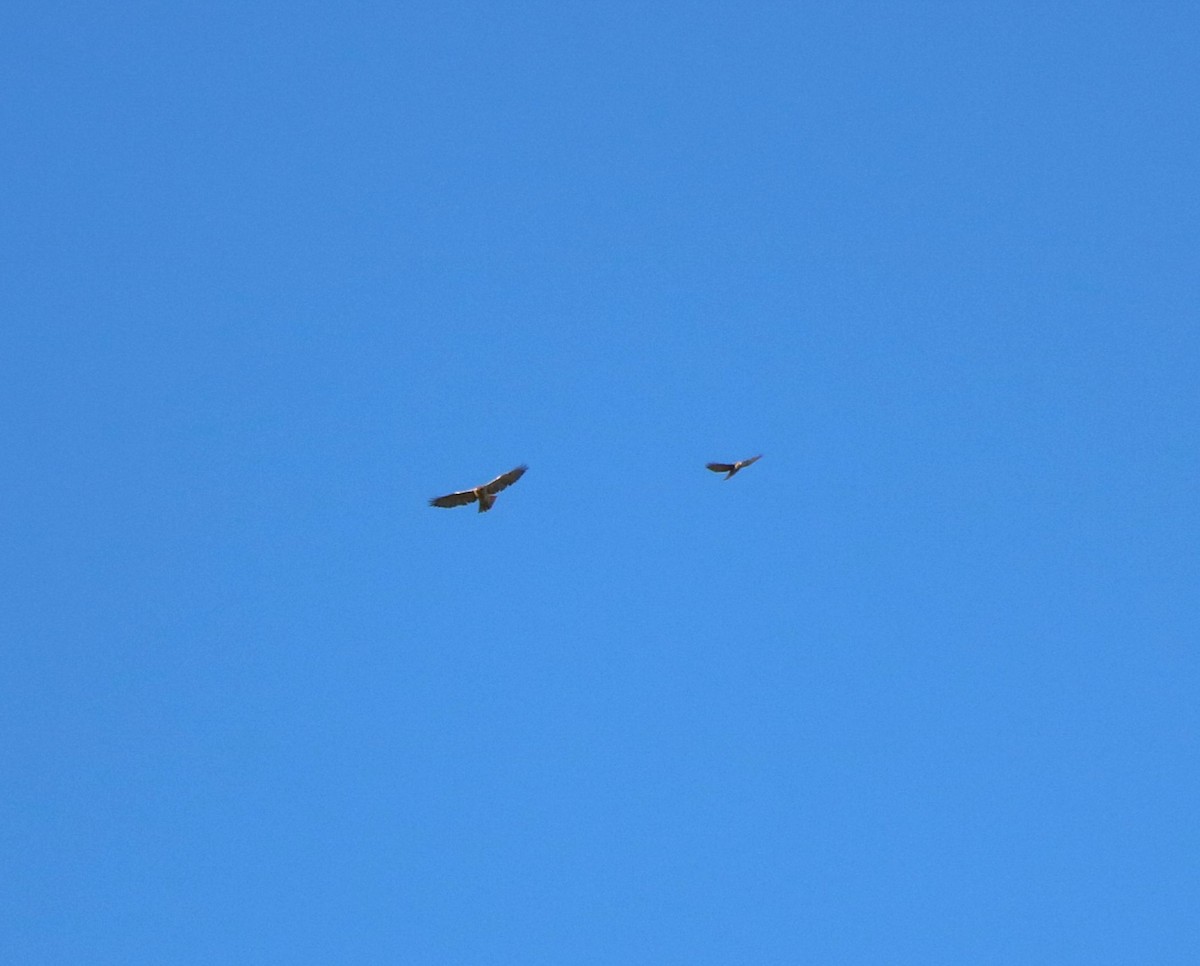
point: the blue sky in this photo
(920, 686)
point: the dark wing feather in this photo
(720, 467)
(454, 499)
(505, 479)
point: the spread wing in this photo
(752, 459)
(720, 467)
(504, 480)
(454, 499)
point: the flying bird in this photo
(486, 494)
(730, 468)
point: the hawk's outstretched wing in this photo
(504, 480)
(454, 499)
(720, 467)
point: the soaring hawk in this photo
(486, 494)
(730, 468)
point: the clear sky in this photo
(921, 686)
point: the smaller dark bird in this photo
(486, 494)
(730, 468)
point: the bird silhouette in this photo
(486, 494)
(730, 468)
